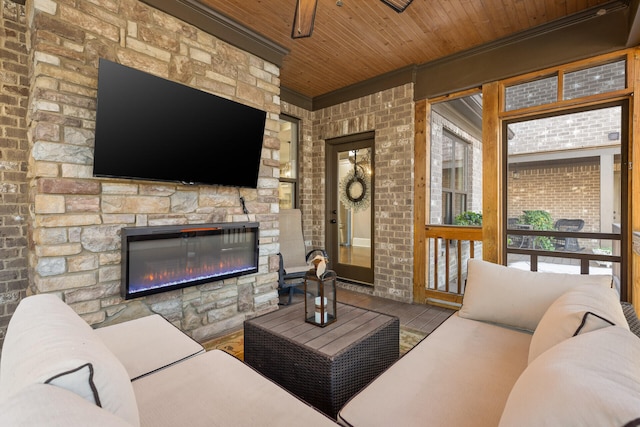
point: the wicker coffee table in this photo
(322, 366)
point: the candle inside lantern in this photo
(319, 309)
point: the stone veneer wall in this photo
(76, 220)
(390, 113)
(14, 208)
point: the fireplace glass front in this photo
(159, 259)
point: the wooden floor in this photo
(418, 317)
(355, 255)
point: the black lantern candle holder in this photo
(320, 298)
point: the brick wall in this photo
(568, 132)
(76, 218)
(575, 192)
(390, 114)
(13, 160)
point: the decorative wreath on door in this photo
(355, 189)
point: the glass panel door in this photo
(350, 198)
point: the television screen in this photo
(151, 128)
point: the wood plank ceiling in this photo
(362, 39)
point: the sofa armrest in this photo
(148, 344)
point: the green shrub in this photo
(540, 220)
(468, 218)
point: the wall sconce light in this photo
(397, 5)
(303, 19)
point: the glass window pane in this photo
(460, 204)
(460, 166)
(595, 80)
(288, 135)
(447, 206)
(447, 162)
(531, 94)
(288, 149)
(287, 195)
(455, 159)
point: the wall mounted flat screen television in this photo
(151, 128)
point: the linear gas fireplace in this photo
(159, 259)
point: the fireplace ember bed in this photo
(164, 258)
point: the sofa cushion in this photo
(148, 344)
(516, 298)
(460, 375)
(588, 380)
(216, 389)
(582, 309)
(51, 406)
(48, 343)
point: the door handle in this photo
(335, 212)
(333, 221)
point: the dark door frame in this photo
(346, 272)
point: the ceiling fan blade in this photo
(303, 19)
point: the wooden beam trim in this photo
(420, 197)
(547, 46)
(223, 27)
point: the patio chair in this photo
(294, 260)
(518, 240)
(568, 243)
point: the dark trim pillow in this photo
(588, 380)
(586, 325)
(583, 309)
(48, 343)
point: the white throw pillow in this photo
(582, 309)
(47, 405)
(512, 297)
(588, 380)
(48, 343)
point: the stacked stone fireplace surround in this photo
(60, 225)
(76, 219)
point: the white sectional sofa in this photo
(56, 370)
(509, 357)
(526, 349)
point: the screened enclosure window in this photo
(455, 167)
(454, 176)
(288, 185)
(531, 94)
(595, 80)
(574, 84)
(564, 173)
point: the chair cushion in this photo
(588, 380)
(516, 298)
(580, 310)
(48, 343)
(291, 240)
